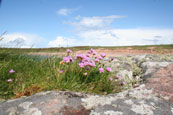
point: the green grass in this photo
(62, 49)
(35, 74)
(160, 47)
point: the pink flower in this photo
(70, 58)
(85, 74)
(10, 80)
(110, 78)
(108, 69)
(92, 50)
(101, 70)
(85, 59)
(79, 56)
(97, 60)
(94, 53)
(100, 58)
(86, 63)
(88, 55)
(66, 59)
(89, 52)
(122, 83)
(92, 64)
(103, 55)
(117, 76)
(81, 65)
(105, 93)
(11, 71)
(61, 71)
(68, 51)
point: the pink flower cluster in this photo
(89, 60)
(10, 80)
(108, 69)
(69, 51)
(11, 72)
(85, 62)
(101, 70)
(67, 59)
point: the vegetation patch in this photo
(24, 75)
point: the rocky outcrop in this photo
(154, 96)
(136, 101)
(162, 82)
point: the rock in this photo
(139, 100)
(139, 58)
(155, 58)
(126, 66)
(149, 68)
(45, 103)
(162, 82)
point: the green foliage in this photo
(158, 48)
(37, 73)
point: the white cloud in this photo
(95, 22)
(145, 36)
(61, 41)
(116, 37)
(97, 31)
(124, 37)
(21, 40)
(66, 11)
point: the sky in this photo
(64, 23)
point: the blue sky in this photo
(54, 23)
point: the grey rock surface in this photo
(149, 68)
(135, 101)
(139, 100)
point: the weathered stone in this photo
(135, 101)
(162, 82)
(149, 68)
(139, 58)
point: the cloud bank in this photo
(93, 31)
(97, 31)
(126, 37)
(22, 40)
(61, 41)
